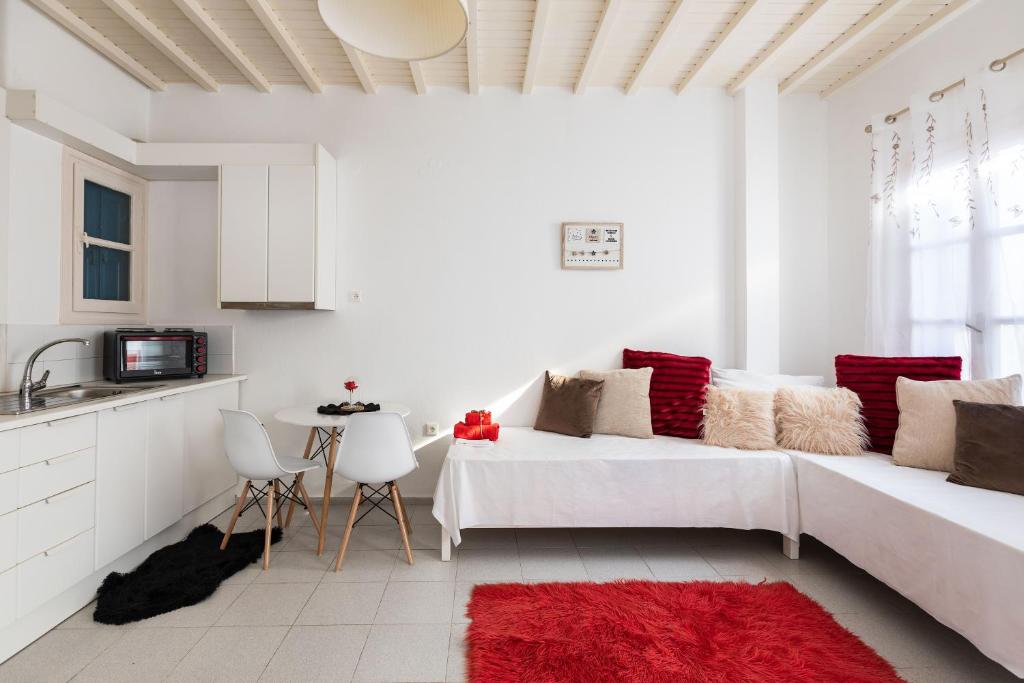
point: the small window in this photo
(104, 243)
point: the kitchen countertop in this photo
(154, 389)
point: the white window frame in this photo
(75, 309)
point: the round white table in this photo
(325, 430)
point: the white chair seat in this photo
(293, 465)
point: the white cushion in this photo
(746, 379)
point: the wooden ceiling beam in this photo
(162, 42)
(416, 68)
(472, 57)
(933, 22)
(597, 45)
(722, 39)
(767, 56)
(355, 57)
(277, 30)
(540, 24)
(674, 19)
(853, 35)
(99, 42)
(201, 19)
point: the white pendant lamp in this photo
(409, 30)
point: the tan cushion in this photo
(625, 406)
(926, 437)
(568, 405)
(739, 418)
(819, 420)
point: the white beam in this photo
(472, 58)
(416, 68)
(769, 53)
(276, 28)
(355, 57)
(604, 30)
(216, 35)
(675, 16)
(840, 45)
(933, 22)
(723, 37)
(97, 41)
(540, 24)
(141, 23)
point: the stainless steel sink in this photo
(12, 404)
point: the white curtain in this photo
(947, 228)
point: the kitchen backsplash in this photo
(74, 363)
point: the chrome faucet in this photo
(27, 385)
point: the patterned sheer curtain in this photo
(947, 228)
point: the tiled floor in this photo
(382, 620)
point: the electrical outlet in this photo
(355, 296)
(431, 429)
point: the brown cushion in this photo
(989, 447)
(568, 405)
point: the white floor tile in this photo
(489, 564)
(230, 653)
(373, 538)
(360, 566)
(485, 538)
(205, 613)
(404, 652)
(456, 672)
(294, 567)
(142, 654)
(416, 603)
(680, 563)
(427, 567)
(552, 564)
(267, 604)
(606, 564)
(60, 654)
(83, 619)
(342, 603)
(544, 538)
(317, 654)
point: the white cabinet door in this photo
(291, 242)
(164, 462)
(243, 233)
(207, 470)
(120, 481)
(326, 229)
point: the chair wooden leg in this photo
(328, 482)
(305, 455)
(270, 526)
(356, 499)
(405, 511)
(401, 521)
(280, 508)
(301, 488)
(234, 516)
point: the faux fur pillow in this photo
(739, 418)
(819, 420)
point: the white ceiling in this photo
(808, 45)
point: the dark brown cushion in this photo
(989, 447)
(569, 405)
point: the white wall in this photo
(450, 209)
(989, 30)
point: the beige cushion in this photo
(625, 407)
(819, 420)
(739, 418)
(926, 437)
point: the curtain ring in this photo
(936, 96)
(997, 65)
(890, 119)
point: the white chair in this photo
(376, 449)
(252, 455)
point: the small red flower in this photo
(351, 385)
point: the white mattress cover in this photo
(540, 479)
(956, 551)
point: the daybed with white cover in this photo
(539, 479)
(955, 551)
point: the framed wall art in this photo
(592, 246)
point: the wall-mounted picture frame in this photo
(592, 246)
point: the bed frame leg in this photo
(446, 545)
(791, 547)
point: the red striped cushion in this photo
(678, 385)
(873, 378)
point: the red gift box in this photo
(478, 417)
(476, 432)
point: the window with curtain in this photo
(947, 231)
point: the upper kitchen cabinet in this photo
(277, 234)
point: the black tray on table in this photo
(346, 408)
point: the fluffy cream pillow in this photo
(819, 420)
(739, 418)
(625, 407)
(926, 437)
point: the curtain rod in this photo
(936, 96)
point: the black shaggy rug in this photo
(179, 575)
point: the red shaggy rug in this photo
(642, 631)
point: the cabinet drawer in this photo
(53, 571)
(8, 540)
(8, 596)
(55, 475)
(10, 448)
(50, 439)
(9, 491)
(54, 520)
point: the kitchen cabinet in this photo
(120, 481)
(165, 454)
(207, 472)
(278, 225)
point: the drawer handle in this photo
(130, 406)
(64, 458)
(172, 397)
(58, 548)
(57, 497)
